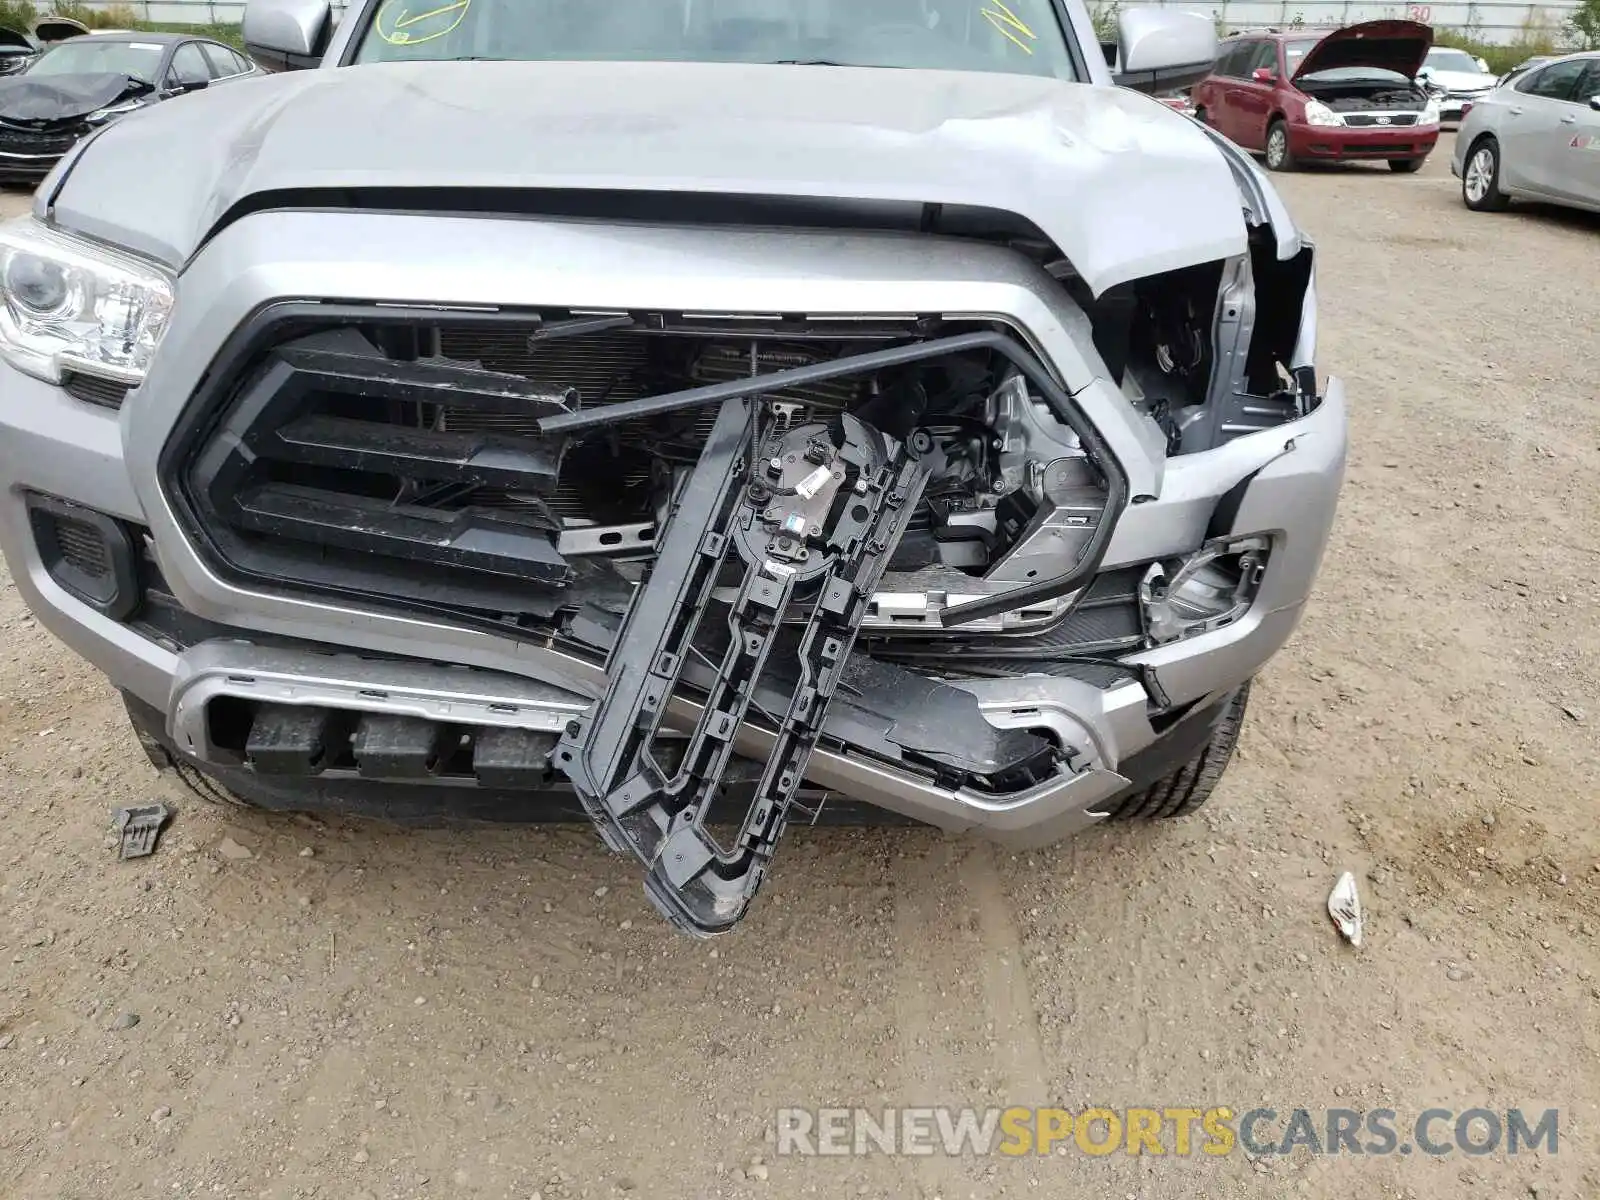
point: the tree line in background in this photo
(20, 14)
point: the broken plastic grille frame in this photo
(811, 534)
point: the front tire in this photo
(1405, 166)
(1278, 155)
(1186, 789)
(1480, 178)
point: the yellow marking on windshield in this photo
(1009, 24)
(395, 27)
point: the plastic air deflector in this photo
(772, 522)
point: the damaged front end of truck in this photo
(822, 531)
(732, 512)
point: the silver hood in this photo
(1123, 186)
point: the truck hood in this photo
(1123, 186)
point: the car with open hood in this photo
(52, 28)
(17, 50)
(1457, 79)
(1346, 95)
(82, 82)
(695, 419)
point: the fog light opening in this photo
(1210, 589)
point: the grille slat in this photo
(425, 381)
(599, 368)
(420, 453)
(496, 542)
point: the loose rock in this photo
(233, 851)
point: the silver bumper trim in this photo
(1044, 814)
(447, 694)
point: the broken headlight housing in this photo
(69, 304)
(1207, 590)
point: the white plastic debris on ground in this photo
(1344, 906)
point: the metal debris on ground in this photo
(1344, 906)
(138, 828)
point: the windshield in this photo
(95, 56)
(1293, 52)
(1010, 36)
(1451, 60)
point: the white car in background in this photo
(1457, 78)
(1536, 138)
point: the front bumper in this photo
(1455, 108)
(271, 647)
(1344, 144)
(53, 444)
(17, 167)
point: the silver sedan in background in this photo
(1535, 137)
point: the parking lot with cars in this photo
(308, 1008)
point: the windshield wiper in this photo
(831, 62)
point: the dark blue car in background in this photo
(71, 87)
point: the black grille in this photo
(1387, 120)
(398, 458)
(82, 547)
(334, 466)
(29, 141)
(91, 389)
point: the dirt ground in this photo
(354, 1011)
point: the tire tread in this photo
(1184, 790)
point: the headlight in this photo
(1318, 113)
(73, 304)
(1430, 113)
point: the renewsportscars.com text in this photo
(1174, 1131)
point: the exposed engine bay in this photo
(1386, 92)
(997, 459)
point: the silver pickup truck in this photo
(692, 417)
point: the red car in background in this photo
(1296, 96)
